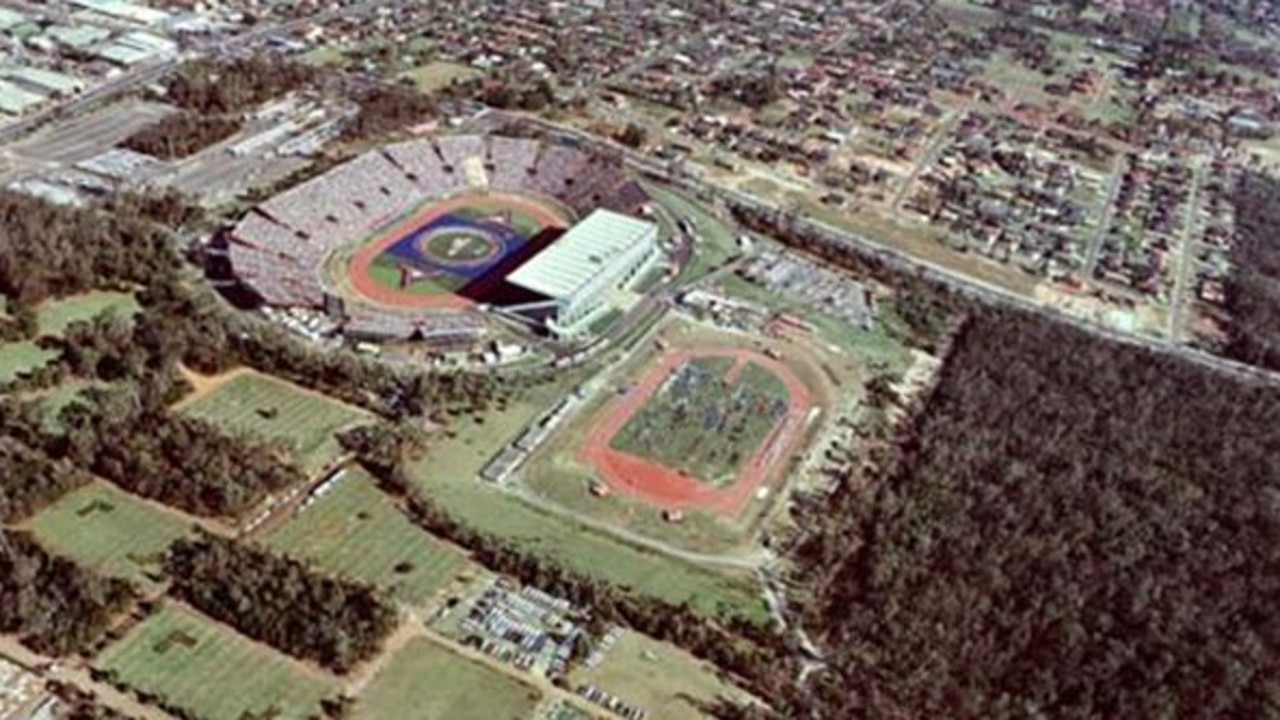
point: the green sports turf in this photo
(213, 672)
(109, 531)
(273, 409)
(356, 531)
(386, 272)
(702, 424)
(460, 246)
(425, 681)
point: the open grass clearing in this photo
(715, 243)
(425, 681)
(213, 672)
(657, 677)
(438, 75)
(55, 317)
(110, 531)
(355, 530)
(21, 357)
(272, 409)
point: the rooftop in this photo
(578, 257)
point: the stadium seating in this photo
(279, 247)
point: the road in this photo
(1104, 223)
(1186, 245)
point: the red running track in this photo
(359, 271)
(659, 485)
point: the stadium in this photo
(403, 241)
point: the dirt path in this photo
(205, 384)
(74, 673)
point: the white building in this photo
(580, 271)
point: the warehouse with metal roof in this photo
(605, 252)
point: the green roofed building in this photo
(581, 270)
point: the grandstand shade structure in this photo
(579, 271)
(282, 248)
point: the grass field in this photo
(109, 531)
(212, 672)
(356, 531)
(716, 243)
(425, 681)
(657, 677)
(436, 75)
(703, 423)
(386, 272)
(276, 410)
(21, 357)
(54, 317)
(461, 246)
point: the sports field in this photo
(273, 409)
(212, 672)
(707, 419)
(658, 677)
(109, 531)
(356, 531)
(422, 259)
(425, 681)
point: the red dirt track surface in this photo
(363, 282)
(661, 486)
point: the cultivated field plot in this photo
(110, 531)
(355, 530)
(276, 410)
(425, 681)
(708, 417)
(214, 673)
(657, 677)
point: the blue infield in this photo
(456, 247)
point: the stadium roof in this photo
(580, 254)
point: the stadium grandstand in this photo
(281, 250)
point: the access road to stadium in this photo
(658, 485)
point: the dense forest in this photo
(387, 108)
(51, 251)
(1253, 288)
(49, 602)
(30, 479)
(181, 461)
(181, 134)
(1072, 528)
(213, 87)
(280, 601)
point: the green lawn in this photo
(21, 357)
(715, 242)
(425, 681)
(54, 317)
(437, 75)
(276, 410)
(212, 672)
(701, 423)
(356, 531)
(109, 531)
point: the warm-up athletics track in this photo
(661, 486)
(360, 270)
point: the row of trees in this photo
(280, 601)
(210, 87)
(1072, 528)
(50, 603)
(181, 461)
